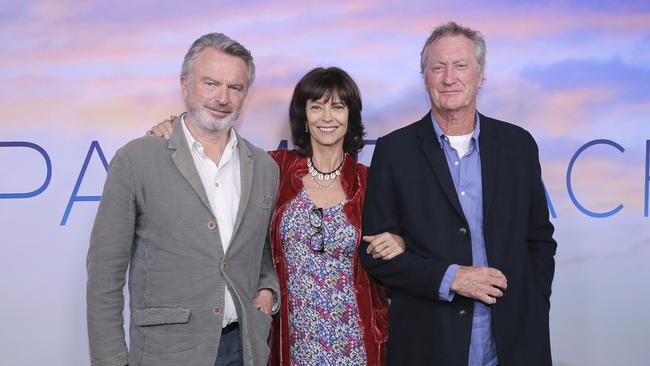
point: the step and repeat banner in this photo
(81, 78)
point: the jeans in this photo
(230, 349)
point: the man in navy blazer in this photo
(465, 192)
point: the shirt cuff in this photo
(444, 292)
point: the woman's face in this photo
(327, 121)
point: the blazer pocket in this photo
(157, 316)
(165, 333)
(258, 324)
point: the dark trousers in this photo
(230, 348)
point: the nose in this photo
(327, 113)
(221, 95)
(449, 76)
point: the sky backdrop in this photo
(570, 72)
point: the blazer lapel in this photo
(247, 169)
(183, 160)
(436, 157)
(488, 145)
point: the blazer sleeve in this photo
(541, 245)
(108, 259)
(409, 272)
(268, 278)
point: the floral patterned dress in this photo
(324, 326)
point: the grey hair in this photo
(453, 29)
(222, 43)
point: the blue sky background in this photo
(568, 71)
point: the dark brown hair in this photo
(324, 83)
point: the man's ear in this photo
(185, 86)
(481, 82)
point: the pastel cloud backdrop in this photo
(568, 71)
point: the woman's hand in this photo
(385, 245)
(164, 128)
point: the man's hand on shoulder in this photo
(485, 284)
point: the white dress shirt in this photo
(222, 184)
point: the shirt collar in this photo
(197, 146)
(440, 135)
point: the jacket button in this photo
(212, 225)
(462, 314)
(462, 231)
(216, 311)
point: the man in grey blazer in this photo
(189, 219)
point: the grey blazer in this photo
(155, 219)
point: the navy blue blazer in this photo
(411, 193)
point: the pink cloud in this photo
(599, 184)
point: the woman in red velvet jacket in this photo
(331, 311)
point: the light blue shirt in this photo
(466, 174)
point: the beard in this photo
(200, 114)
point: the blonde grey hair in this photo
(222, 43)
(453, 29)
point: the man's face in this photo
(215, 90)
(452, 74)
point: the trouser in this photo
(230, 348)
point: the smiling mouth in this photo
(327, 129)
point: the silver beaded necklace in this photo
(318, 176)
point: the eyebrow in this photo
(462, 59)
(207, 78)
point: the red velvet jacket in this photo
(370, 295)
